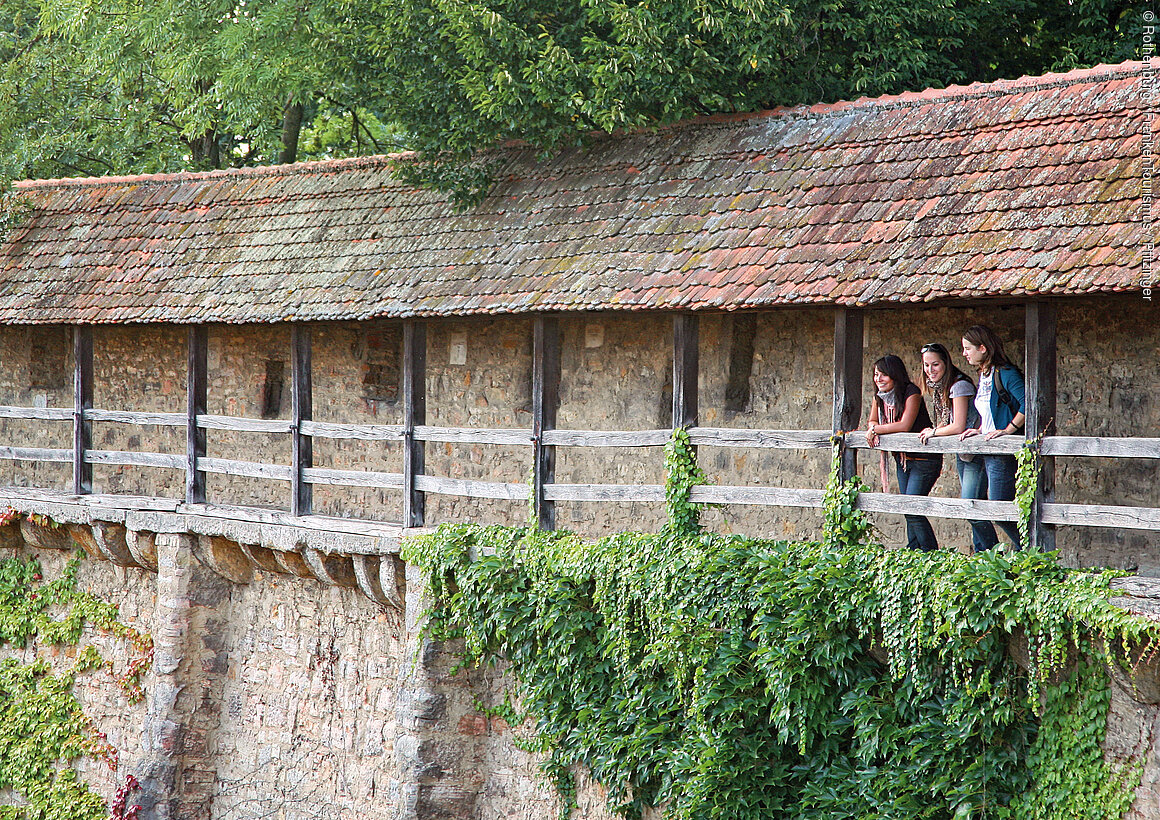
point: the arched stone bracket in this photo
(47, 538)
(224, 557)
(143, 547)
(381, 579)
(335, 570)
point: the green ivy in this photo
(728, 677)
(682, 473)
(1026, 484)
(42, 728)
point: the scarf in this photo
(942, 411)
(890, 415)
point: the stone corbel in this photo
(378, 578)
(332, 569)
(224, 557)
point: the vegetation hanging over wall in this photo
(43, 731)
(731, 677)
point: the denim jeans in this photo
(973, 480)
(1001, 487)
(917, 479)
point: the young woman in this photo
(952, 395)
(1002, 405)
(898, 408)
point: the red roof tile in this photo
(1017, 187)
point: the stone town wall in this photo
(273, 695)
(765, 370)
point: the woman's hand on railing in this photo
(970, 431)
(871, 435)
(925, 435)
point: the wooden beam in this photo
(82, 401)
(848, 325)
(1100, 515)
(474, 435)
(607, 438)
(197, 349)
(545, 403)
(686, 358)
(302, 449)
(507, 491)
(414, 414)
(1040, 332)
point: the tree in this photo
(131, 86)
(138, 86)
(461, 75)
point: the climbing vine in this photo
(1026, 483)
(730, 677)
(42, 728)
(682, 473)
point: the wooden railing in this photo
(954, 508)
(543, 438)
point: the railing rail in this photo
(769, 439)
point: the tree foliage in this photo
(130, 86)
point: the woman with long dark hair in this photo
(1002, 405)
(898, 407)
(952, 394)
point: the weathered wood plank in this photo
(607, 438)
(545, 403)
(243, 425)
(1100, 515)
(196, 397)
(473, 435)
(1040, 346)
(768, 439)
(686, 368)
(352, 478)
(301, 400)
(909, 443)
(847, 416)
(83, 400)
(605, 492)
(414, 415)
(127, 417)
(472, 489)
(42, 413)
(960, 508)
(248, 469)
(361, 432)
(166, 460)
(768, 496)
(35, 454)
(1101, 446)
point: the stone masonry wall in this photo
(274, 695)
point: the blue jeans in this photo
(1001, 487)
(917, 479)
(973, 480)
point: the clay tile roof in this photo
(1030, 186)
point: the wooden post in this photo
(685, 369)
(545, 403)
(302, 446)
(195, 405)
(414, 414)
(848, 324)
(1041, 351)
(82, 401)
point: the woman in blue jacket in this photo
(1002, 406)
